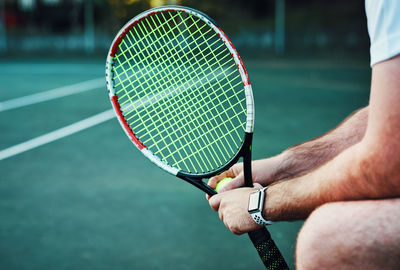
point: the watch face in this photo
(254, 201)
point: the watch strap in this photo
(257, 216)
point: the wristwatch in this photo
(256, 205)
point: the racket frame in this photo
(244, 150)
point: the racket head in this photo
(180, 91)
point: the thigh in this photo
(351, 235)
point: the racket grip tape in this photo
(267, 250)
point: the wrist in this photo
(267, 206)
(256, 207)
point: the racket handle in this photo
(267, 250)
(261, 238)
(262, 241)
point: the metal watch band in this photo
(257, 216)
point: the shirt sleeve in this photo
(384, 28)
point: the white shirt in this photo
(383, 28)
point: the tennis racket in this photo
(183, 97)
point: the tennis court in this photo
(91, 200)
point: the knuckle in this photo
(236, 230)
(221, 215)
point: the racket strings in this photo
(152, 54)
(162, 83)
(187, 143)
(171, 154)
(155, 82)
(171, 133)
(162, 70)
(187, 130)
(218, 81)
(201, 137)
(160, 122)
(196, 105)
(142, 104)
(178, 107)
(168, 82)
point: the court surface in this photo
(85, 198)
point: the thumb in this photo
(257, 186)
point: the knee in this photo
(354, 235)
(321, 241)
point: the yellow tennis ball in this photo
(222, 183)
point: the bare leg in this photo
(351, 235)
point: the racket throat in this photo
(246, 154)
(198, 183)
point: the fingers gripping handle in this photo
(262, 241)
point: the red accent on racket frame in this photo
(117, 108)
(121, 37)
(240, 59)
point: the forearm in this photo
(296, 198)
(369, 169)
(307, 156)
(354, 174)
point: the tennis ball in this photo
(222, 183)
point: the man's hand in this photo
(264, 172)
(232, 209)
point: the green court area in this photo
(90, 200)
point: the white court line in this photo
(52, 94)
(57, 134)
(91, 121)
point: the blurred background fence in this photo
(279, 26)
